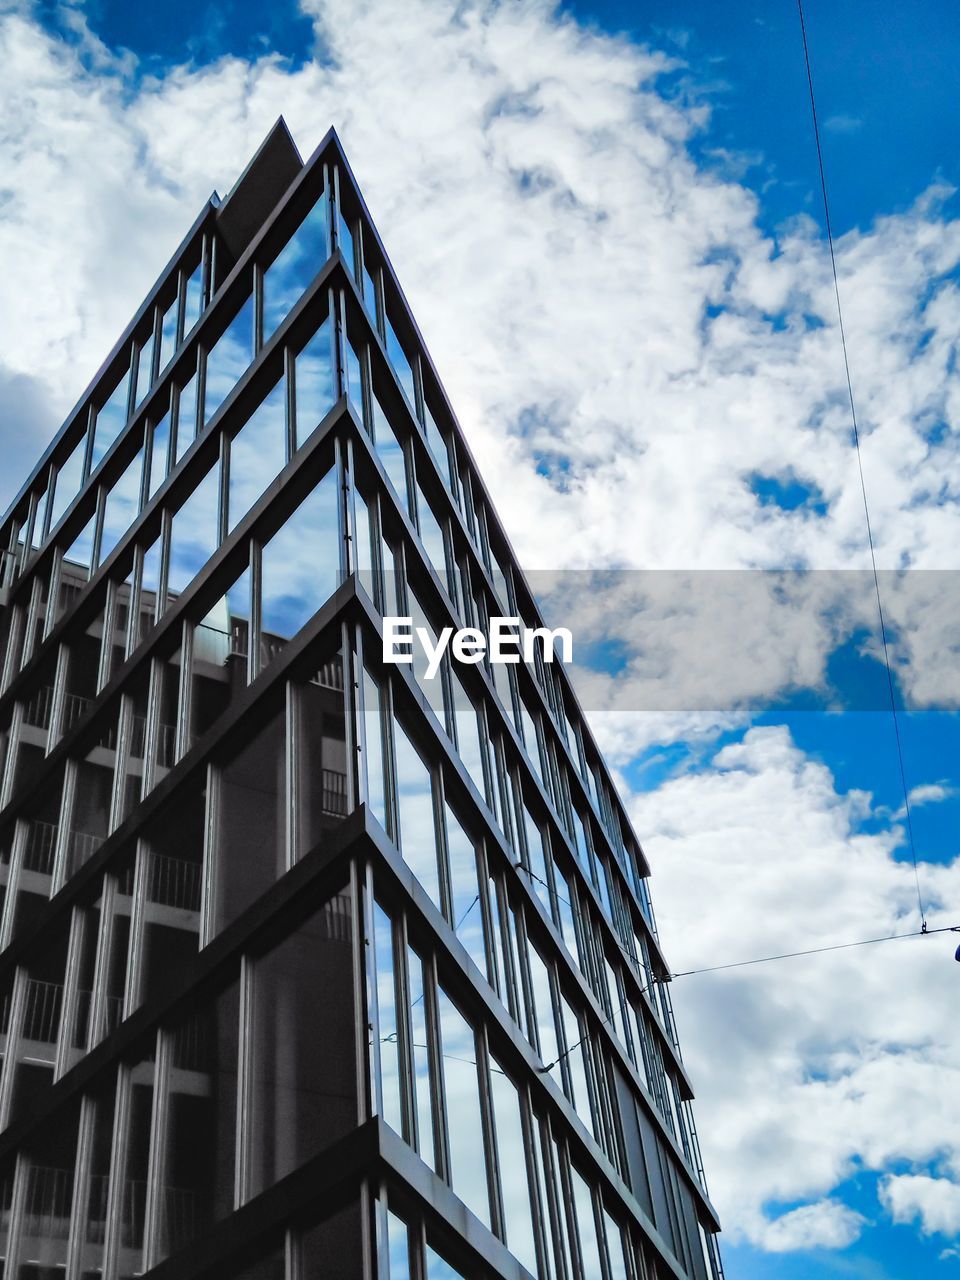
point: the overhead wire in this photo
(863, 487)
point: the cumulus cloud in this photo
(632, 359)
(821, 1071)
(826, 1224)
(934, 1202)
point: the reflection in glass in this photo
(168, 334)
(68, 481)
(159, 454)
(194, 534)
(417, 838)
(420, 1056)
(110, 420)
(543, 1000)
(511, 1148)
(80, 552)
(121, 507)
(258, 453)
(303, 1088)
(193, 300)
(314, 381)
(48, 1181)
(438, 1268)
(294, 267)
(615, 1249)
(196, 1168)
(228, 360)
(374, 746)
(301, 566)
(398, 1243)
(186, 417)
(468, 733)
(401, 365)
(144, 369)
(390, 451)
(389, 1028)
(251, 847)
(465, 890)
(586, 1228)
(464, 1120)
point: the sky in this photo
(606, 219)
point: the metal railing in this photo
(333, 792)
(41, 846)
(173, 882)
(43, 1007)
(37, 711)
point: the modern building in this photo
(309, 966)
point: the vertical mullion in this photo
(156, 1160)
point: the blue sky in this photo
(708, 414)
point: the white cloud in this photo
(809, 1068)
(934, 1202)
(589, 292)
(827, 1224)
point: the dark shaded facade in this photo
(309, 966)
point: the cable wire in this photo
(815, 951)
(863, 487)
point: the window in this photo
(194, 533)
(300, 566)
(250, 851)
(514, 1185)
(67, 485)
(296, 265)
(121, 507)
(258, 453)
(417, 837)
(110, 420)
(303, 1085)
(420, 1058)
(314, 382)
(228, 360)
(464, 1117)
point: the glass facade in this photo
(309, 966)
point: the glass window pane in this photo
(420, 1055)
(586, 1228)
(431, 535)
(160, 453)
(415, 809)
(314, 381)
(468, 734)
(228, 360)
(301, 566)
(390, 451)
(354, 380)
(373, 736)
(197, 1158)
(80, 553)
(345, 236)
(195, 533)
(110, 420)
(193, 301)
(251, 844)
(303, 1085)
(464, 1119)
(168, 334)
(121, 507)
(465, 891)
(68, 481)
(398, 1246)
(294, 267)
(258, 453)
(401, 365)
(511, 1148)
(144, 369)
(389, 1027)
(615, 1249)
(438, 1268)
(186, 417)
(543, 998)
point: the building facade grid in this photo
(266, 900)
